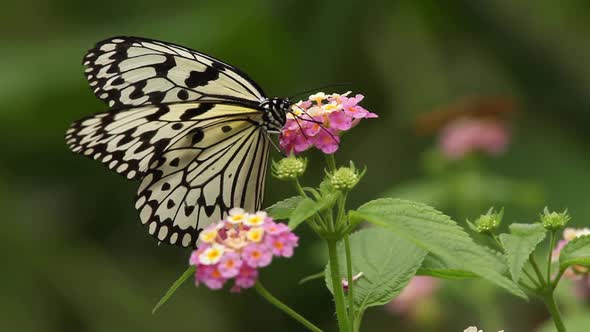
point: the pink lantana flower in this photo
(466, 135)
(235, 248)
(320, 121)
(257, 255)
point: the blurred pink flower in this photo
(237, 246)
(582, 287)
(467, 135)
(419, 289)
(319, 122)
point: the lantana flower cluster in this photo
(320, 120)
(236, 247)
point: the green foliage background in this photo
(74, 257)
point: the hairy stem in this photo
(537, 270)
(350, 294)
(551, 246)
(331, 161)
(343, 323)
(549, 300)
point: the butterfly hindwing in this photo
(191, 186)
(133, 71)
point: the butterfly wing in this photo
(196, 161)
(185, 124)
(193, 185)
(133, 71)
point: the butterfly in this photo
(193, 130)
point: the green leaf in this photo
(305, 209)
(520, 244)
(435, 232)
(283, 209)
(187, 274)
(575, 252)
(435, 266)
(387, 262)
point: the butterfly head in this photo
(275, 113)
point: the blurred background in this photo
(76, 259)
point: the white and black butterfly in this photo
(191, 128)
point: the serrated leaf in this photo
(520, 244)
(187, 274)
(575, 252)
(283, 209)
(435, 232)
(387, 262)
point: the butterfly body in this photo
(192, 129)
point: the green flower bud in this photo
(554, 220)
(487, 223)
(289, 168)
(345, 178)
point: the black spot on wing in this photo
(118, 81)
(197, 135)
(196, 111)
(188, 209)
(182, 95)
(162, 110)
(225, 129)
(138, 90)
(163, 68)
(170, 204)
(201, 78)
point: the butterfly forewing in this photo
(132, 71)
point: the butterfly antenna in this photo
(319, 88)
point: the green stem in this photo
(350, 294)
(357, 324)
(299, 188)
(274, 301)
(531, 278)
(343, 323)
(537, 270)
(313, 222)
(554, 310)
(557, 278)
(331, 161)
(498, 242)
(551, 246)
